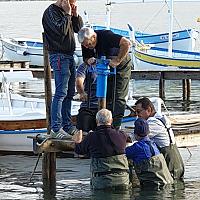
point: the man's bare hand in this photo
(66, 7)
(83, 96)
(114, 62)
(74, 9)
(78, 137)
(91, 61)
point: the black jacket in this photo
(59, 29)
(104, 142)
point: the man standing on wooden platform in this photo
(60, 21)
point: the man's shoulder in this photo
(104, 32)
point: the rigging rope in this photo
(2, 49)
(150, 21)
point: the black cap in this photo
(141, 127)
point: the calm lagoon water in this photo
(23, 19)
(73, 180)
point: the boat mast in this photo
(171, 16)
(108, 14)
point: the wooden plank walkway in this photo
(38, 72)
(7, 65)
(185, 75)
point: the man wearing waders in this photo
(106, 147)
(149, 164)
(96, 44)
(162, 134)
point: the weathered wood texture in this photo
(23, 124)
(13, 64)
(138, 75)
(47, 84)
(166, 75)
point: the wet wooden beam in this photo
(55, 145)
(185, 137)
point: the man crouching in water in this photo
(106, 147)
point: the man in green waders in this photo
(149, 164)
(106, 147)
(162, 134)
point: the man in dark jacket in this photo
(60, 21)
(96, 44)
(106, 147)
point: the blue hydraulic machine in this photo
(103, 70)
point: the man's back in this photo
(105, 141)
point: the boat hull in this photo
(158, 59)
(18, 141)
(30, 50)
(18, 50)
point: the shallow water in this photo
(73, 180)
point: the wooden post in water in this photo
(188, 82)
(186, 89)
(49, 159)
(162, 86)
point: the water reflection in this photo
(73, 181)
(138, 88)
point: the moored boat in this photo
(182, 39)
(158, 59)
(30, 50)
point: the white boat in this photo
(28, 49)
(23, 49)
(181, 40)
(21, 116)
(151, 58)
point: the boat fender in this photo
(23, 53)
(26, 53)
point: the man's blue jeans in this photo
(64, 75)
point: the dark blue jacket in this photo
(142, 150)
